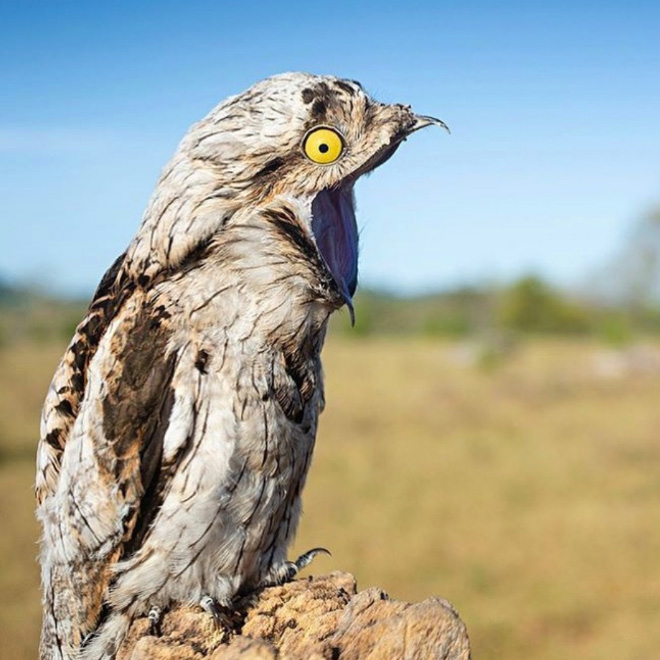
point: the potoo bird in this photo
(178, 430)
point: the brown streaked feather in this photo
(68, 386)
(136, 413)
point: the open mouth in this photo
(336, 234)
(335, 228)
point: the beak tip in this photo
(422, 121)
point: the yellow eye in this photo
(323, 145)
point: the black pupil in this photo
(323, 148)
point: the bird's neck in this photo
(268, 259)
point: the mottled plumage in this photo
(179, 427)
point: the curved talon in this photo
(308, 557)
(287, 570)
(294, 567)
(209, 604)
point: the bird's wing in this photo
(135, 394)
(111, 474)
(67, 388)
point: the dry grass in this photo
(25, 372)
(528, 495)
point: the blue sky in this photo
(554, 109)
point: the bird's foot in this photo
(155, 617)
(218, 612)
(287, 570)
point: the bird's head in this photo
(299, 136)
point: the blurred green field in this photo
(526, 492)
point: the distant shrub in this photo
(532, 306)
(446, 325)
(615, 328)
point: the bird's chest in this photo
(248, 418)
(248, 393)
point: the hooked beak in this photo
(422, 121)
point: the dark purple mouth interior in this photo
(335, 230)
